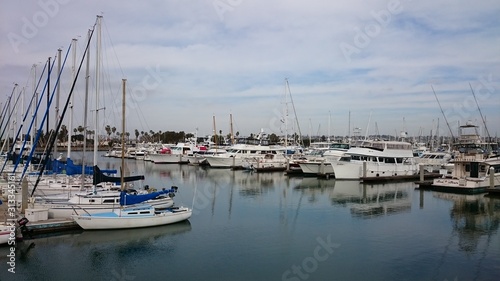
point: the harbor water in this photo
(269, 226)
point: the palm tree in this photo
(108, 130)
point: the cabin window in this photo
(132, 213)
(91, 200)
(389, 160)
(399, 160)
(345, 159)
(497, 169)
(108, 201)
(144, 212)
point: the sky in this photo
(316, 68)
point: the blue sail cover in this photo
(72, 169)
(131, 199)
(99, 177)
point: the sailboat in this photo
(133, 213)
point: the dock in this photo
(38, 227)
(424, 178)
(494, 191)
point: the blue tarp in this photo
(70, 168)
(130, 199)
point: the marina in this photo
(167, 195)
(267, 226)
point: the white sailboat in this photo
(131, 213)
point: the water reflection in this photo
(364, 200)
(474, 218)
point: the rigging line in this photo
(479, 109)
(445, 119)
(295, 113)
(34, 144)
(5, 109)
(7, 124)
(51, 144)
(113, 48)
(22, 124)
(38, 104)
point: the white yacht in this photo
(320, 163)
(370, 159)
(235, 155)
(474, 171)
(177, 154)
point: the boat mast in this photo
(329, 124)
(446, 120)
(70, 123)
(215, 132)
(122, 177)
(231, 127)
(295, 113)
(86, 105)
(285, 116)
(97, 83)
(480, 113)
(58, 93)
(32, 132)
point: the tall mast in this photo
(122, 177)
(329, 124)
(48, 97)
(58, 93)
(97, 83)
(73, 76)
(231, 127)
(32, 132)
(215, 132)
(285, 115)
(85, 110)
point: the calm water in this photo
(249, 226)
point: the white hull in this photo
(196, 159)
(463, 180)
(224, 161)
(168, 158)
(316, 168)
(353, 170)
(368, 159)
(466, 183)
(66, 210)
(115, 220)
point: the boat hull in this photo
(168, 158)
(315, 168)
(66, 210)
(356, 170)
(112, 221)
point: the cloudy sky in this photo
(187, 61)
